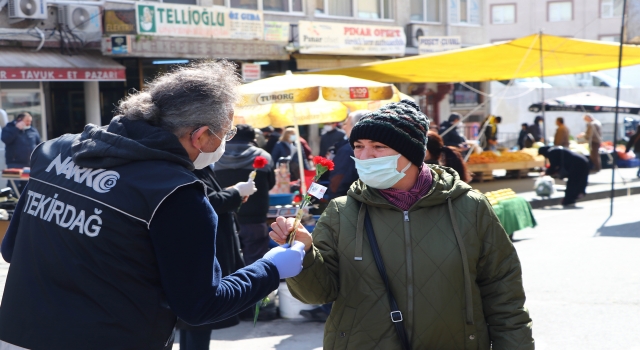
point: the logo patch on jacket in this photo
(101, 180)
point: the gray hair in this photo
(355, 116)
(192, 96)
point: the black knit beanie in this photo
(399, 125)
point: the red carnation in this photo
(317, 160)
(260, 162)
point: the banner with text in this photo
(165, 19)
(429, 44)
(350, 39)
(276, 31)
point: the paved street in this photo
(581, 275)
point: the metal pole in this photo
(544, 121)
(615, 123)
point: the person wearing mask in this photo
(272, 139)
(224, 202)
(593, 135)
(564, 163)
(115, 235)
(439, 154)
(20, 140)
(237, 163)
(287, 147)
(634, 142)
(331, 137)
(437, 239)
(535, 129)
(561, 138)
(449, 133)
(344, 173)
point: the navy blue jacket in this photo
(19, 144)
(113, 238)
(452, 138)
(344, 173)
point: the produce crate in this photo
(630, 163)
(484, 171)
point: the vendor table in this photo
(12, 182)
(515, 214)
(484, 170)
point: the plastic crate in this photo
(280, 198)
(630, 163)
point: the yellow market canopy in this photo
(518, 58)
(294, 99)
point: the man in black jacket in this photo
(451, 137)
(114, 236)
(236, 164)
(20, 139)
(573, 166)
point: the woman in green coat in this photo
(452, 270)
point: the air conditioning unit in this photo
(83, 21)
(414, 31)
(29, 9)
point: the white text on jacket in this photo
(101, 180)
(46, 208)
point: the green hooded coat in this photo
(445, 304)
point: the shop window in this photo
(425, 10)
(611, 8)
(503, 14)
(18, 101)
(464, 11)
(462, 96)
(610, 38)
(365, 9)
(282, 5)
(244, 4)
(560, 11)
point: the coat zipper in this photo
(409, 262)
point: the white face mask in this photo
(380, 172)
(292, 138)
(27, 127)
(204, 159)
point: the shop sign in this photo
(119, 44)
(428, 44)
(350, 39)
(200, 48)
(250, 71)
(62, 74)
(120, 21)
(276, 31)
(165, 19)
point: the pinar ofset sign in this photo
(351, 39)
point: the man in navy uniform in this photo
(114, 236)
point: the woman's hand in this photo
(281, 229)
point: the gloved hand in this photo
(288, 261)
(245, 188)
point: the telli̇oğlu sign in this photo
(165, 19)
(428, 44)
(350, 39)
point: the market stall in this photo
(514, 212)
(517, 163)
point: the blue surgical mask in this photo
(380, 172)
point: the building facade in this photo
(138, 40)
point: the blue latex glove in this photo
(288, 261)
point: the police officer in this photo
(114, 236)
